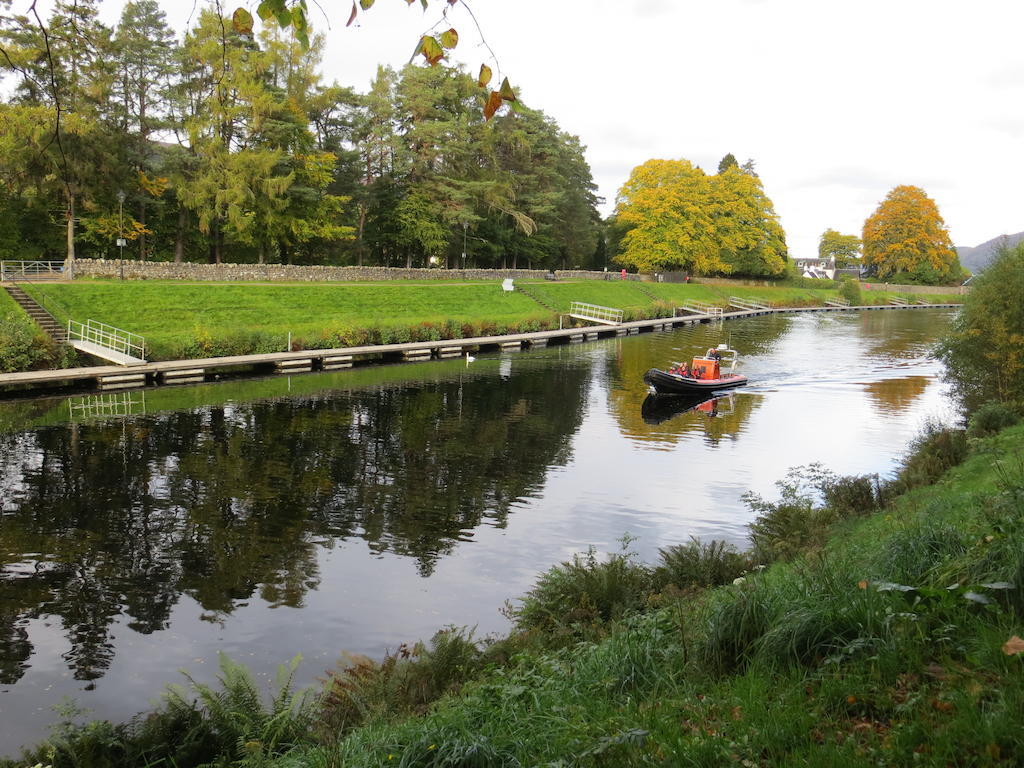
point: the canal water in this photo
(143, 532)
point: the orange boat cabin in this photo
(705, 368)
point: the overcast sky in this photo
(836, 102)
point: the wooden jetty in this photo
(116, 377)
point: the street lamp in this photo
(120, 231)
(465, 226)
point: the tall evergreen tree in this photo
(145, 50)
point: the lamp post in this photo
(120, 231)
(465, 226)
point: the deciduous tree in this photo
(984, 352)
(751, 240)
(677, 218)
(845, 249)
(666, 206)
(906, 239)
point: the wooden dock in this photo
(111, 377)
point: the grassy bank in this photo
(23, 345)
(873, 623)
(185, 320)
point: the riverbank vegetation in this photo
(23, 345)
(873, 622)
(189, 320)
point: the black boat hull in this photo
(665, 383)
(657, 409)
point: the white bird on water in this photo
(469, 359)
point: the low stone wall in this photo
(189, 271)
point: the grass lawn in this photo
(8, 306)
(169, 314)
(186, 320)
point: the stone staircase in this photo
(537, 299)
(41, 317)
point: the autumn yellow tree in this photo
(905, 239)
(678, 218)
(666, 207)
(750, 239)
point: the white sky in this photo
(836, 102)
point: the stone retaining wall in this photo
(165, 270)
(191, 271)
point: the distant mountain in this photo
(980, 256)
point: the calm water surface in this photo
(142, 533)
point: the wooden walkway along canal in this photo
(108, 377)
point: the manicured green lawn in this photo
(184, 320)
(8, 305)
(169, 313)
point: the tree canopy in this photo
(905, 239)
(228, 146)
(984, 352)
(845, 249)
(675, 217)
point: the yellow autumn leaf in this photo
(241, 20)
(449, 38)
(492, 105)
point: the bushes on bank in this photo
(990, 418)
(936, 450)
(849, 289)
(23, 347)
(205, 343)
(984, 351)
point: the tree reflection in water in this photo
(110, 519)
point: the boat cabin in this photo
(709, 365)
(705, 368)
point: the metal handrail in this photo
(12, 270)
(837, 302)
(596, 312)
(119, 404)
(109, 337)
(736, 301)
(699, 308)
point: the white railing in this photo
(29, 270)
(837, 302)
(595, 312)
(700, 308)
(108, 337)
(747, 304)
(898, 301)
(97, 406)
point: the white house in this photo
(817, 268)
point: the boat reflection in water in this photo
(657, 409)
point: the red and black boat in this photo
(703, 374)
